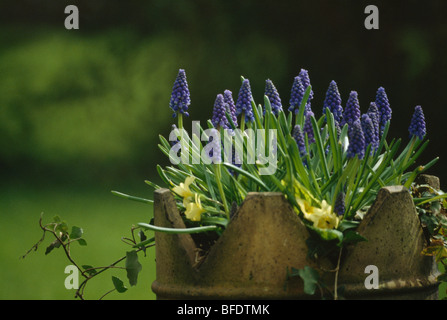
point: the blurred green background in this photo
(81, 110)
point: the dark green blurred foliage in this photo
(88, 104)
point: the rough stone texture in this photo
(432, 181)
(266, 236)
(175, 254)
(252, 256)
(249, 260)
(394, 244)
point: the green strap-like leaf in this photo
(176, 230)
(133, 198)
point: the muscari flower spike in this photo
(352, 110)
(356, 141)
(305, 80)
(228, 99)
(215, 152)
(417, 126)
(308, 129)
(373, 113)
(383, 105)
(219, 118)
(273, 96)
(333, 101)
(298, 135)
(296, 95)
(337, 128)
(243, 103)
(180, 98)
(339, 206)
(369, 132)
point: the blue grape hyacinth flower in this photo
(356, 141)
(308, 129)
(297, 134)
(180, 97)
(243, 103)
(228, 99)
(369, 132)
(333, 102)
(383, 105)
(339, 206)
(417, 126)
(273, 96)
(373, 113)
(296, 95)
(352, 110)
(305, 80)
(214, 147)
(219, 118)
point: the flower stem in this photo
(180, 120)
(243, 122)
(336, 275)
(217, 170)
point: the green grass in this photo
(104, 217)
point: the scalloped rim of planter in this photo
(260, 274)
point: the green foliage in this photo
(133, 267)
(118, 284)
(310, 182)
(310, 277)
(432, 210)
(317, 178)
(59, 230)
(88, 105)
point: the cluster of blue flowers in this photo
(333, 102)
(219, 119)
(417, 126)
(243, 103)
(180, 97)
(273, 96)
(363, 129)
(383, 106)
(299, 87)
(298, 135)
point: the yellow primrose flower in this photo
(194, 210)
(322, 218)
(183, 189)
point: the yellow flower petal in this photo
(305, 206)
(183, 188)
(194, 210)
(322, 218)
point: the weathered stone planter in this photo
(265, 237)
